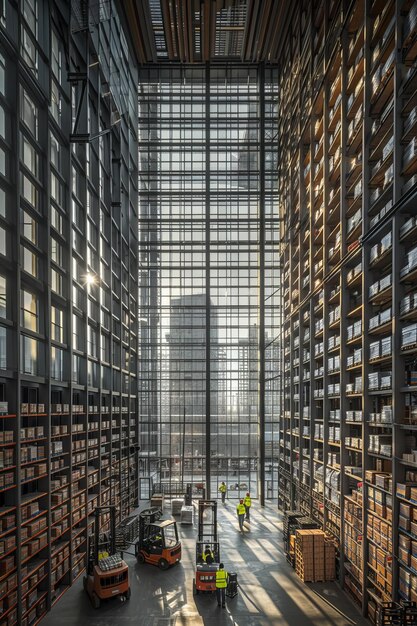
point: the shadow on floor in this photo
(270, 593)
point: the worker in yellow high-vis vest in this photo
(222, 578)
(241, 511)
(247, 502)
(208, 555)
(223, 490)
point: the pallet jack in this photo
(107, 573)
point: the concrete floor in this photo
(270, 592)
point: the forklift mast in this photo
(146, 518)
(111, 542)
(205, 573)
(207, 521)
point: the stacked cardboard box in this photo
(304, 555)
(313, 555)
(158, 500)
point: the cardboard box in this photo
(380, 509)
(8, 521)
(6, 564)
(40, 469)
(404, 489)
(33, 527)
(405, 510)
(12, 582)
(9, 543)
(34, 546)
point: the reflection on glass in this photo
(201, 198)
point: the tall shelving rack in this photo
(68, 425)
(348, 172)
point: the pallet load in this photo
(176, 506)
(304, 555)
(292, 521)
(158, 500)
(309, 555)
(314, 556)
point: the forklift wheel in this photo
(128, 594)
(140, 557)
(95, 600)
(163, 564)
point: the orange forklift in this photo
(158, 542)
(205, 573)
(107, 573)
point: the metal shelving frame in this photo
(329, 53)
(102, 242)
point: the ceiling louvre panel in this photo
(195, 31)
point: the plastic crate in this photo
(389, 614)
(409, 613)
(232, 585)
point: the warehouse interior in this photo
(208, 263)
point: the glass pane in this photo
(29, 309)
(29, 113)
(3, 296)
(30, 262)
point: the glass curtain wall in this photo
(208, 267)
